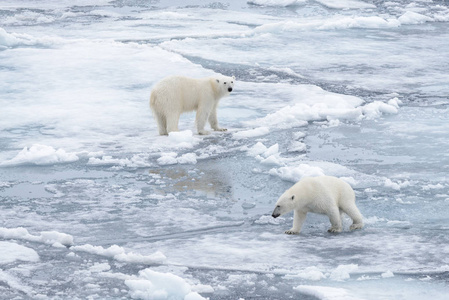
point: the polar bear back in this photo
(320, 190)
(182, 94)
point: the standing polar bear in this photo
(177, 94)
(324, 195)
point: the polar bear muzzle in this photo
(276, 212)
(229, 89)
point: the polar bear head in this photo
(286, 203)
(225, 84)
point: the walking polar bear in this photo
(178, 94)
(324, 195)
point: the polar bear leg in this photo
(172, 122)
(334, 217)
(298, 219)
(213, 120)
(353, 212)
(202, 115)
(161, 124)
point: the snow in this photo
(94, 200)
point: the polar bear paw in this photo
(221, 129)
(203, 132)
(291, 231)
(356, 226)
(334, 229)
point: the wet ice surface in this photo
(95, 205)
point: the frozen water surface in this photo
(96, 205)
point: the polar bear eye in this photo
(293, 197)
(225, 83)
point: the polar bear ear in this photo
(218, 80)
(233, 77)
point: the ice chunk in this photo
(326, 293)
(251, 133)
(310, 273)
(41, 155)
(46, 237)
(156, 285)
(294, 174)
(296, 146)
(119, 254)
(257, 149)
(387, 274)
(342, 272)
(167, 159)
(182, 139)
(10, 252)
(411, 17)
(171, 158)
(346, 4)
(377, 108)
(280, 3)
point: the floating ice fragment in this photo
(294, 174)
(274, 3)
(377, 108)
(346, 4)
(10, 252)
(41, 155)
(411, 18)
(182, 139)
(326, 293)
(251, 133)
(296, 146)
(172, 159)
(342, 272)
(156, 285)
(310, 273)
(396, 186)
(119, 254)
(387, 274)
(46, 237)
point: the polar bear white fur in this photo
(178, 94)
(324, 195)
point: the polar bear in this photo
(324, 195)
(178, 94)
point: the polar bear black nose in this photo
(230, 89)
